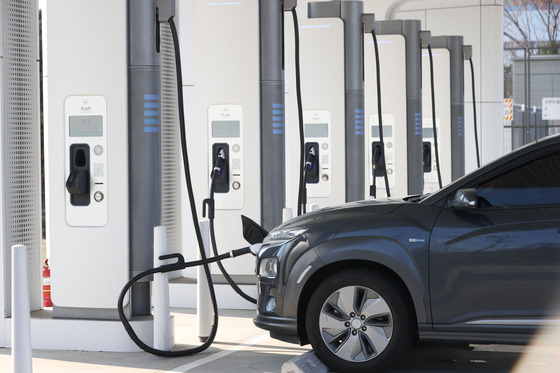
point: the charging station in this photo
(105, 184)
(227, 82)
(448, 65)
(350, 12)
(86, 157)
(323, 95)
(399, 43)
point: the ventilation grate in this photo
(21, 141)
(170, 149)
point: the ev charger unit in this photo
(236, 63)
(20, 157)
(323, 95)
(105, 184)
(448, 61)
(350, 12)
(399, 43)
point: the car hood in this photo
(361, 210)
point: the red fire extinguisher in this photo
(47, 302)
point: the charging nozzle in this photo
(311, 170)
(220, 169)
(427, 156)
(220, 161)
(311, 154)
(255, 248)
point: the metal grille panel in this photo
(21, 141)
(170, 147)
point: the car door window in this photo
(535, 183)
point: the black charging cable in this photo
(474, 114)
(180, 264)
(436, 147)
(302, 195)
(210, 203)
(379, 119)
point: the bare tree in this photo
(532, 24)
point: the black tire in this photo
(358, 321)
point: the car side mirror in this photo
(464, 198)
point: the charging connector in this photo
(312, 163)
(220, 171)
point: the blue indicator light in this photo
(277, 132)
(151, 129)
(151, 113)
(278, 125)
(357, 121)
(278, 106)
(359, 111)
(151, 105)
(359, 132)
(277, 119)
(151, 97)
(151, 121)
(277, 112)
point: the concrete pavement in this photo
(241, 347)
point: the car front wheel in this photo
(357, 321)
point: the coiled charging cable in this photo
(180, 264)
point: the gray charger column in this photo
(456, 78)
(351, 14)
(144, 144)
(272, 107)
(410, 29)
(455, 45)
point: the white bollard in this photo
(204, 309)
(21, 330)
(312, 207)
(160, 291)
(287, 214)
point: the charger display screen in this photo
(226, 128)
(86, 126)
(316, 130)
(387, 131)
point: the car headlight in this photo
(285, 234)
(268, 267)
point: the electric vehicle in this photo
(477, 261)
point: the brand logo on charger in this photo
(85, 109)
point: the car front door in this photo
(496, 266)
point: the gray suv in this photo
(477, 261)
